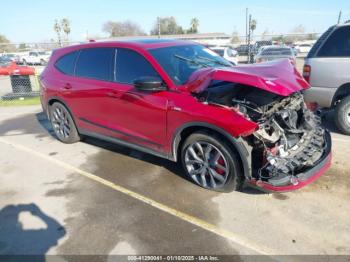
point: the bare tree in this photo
(194, 26)
(5, 45)
(235, 38)
(65, 24)
(126, 28)
(168, 26)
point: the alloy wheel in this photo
(61, 123)
(206, 164)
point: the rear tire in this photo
(211, 163)
(63, 124)
(342, 115)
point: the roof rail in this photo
(347, 22)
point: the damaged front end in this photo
(290, 148)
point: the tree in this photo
(194, 26)
(265, 35)
(5, 45)
(22, 46)
(126, 28)
(253, 24)
(235, 38)
(168, 26)
(57, 28)
(65, 25)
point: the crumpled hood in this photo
(279, 77)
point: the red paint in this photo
(13, 69)
(153, 119)
(279, 77)
(268, 187)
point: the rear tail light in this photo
(292, 61)
(307, 73)
(312, 106)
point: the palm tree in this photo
(66, 27)
(57, 29)
(253, 25)
(194, 25)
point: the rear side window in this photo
(337, 45)
(66, 63)
(96, 63)
(319, 42)
(130, 66)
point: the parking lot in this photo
(97, 198)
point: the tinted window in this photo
(338, 44)
(131, 66)
(96, 63)
(319, 42)
(66, 63)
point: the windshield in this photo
(181, 61)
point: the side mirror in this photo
(149, 84)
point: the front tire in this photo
(63, 124)
(342, 115)
(209, 162)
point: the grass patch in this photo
(26, 101)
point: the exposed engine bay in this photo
(290, 139)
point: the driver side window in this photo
(131, 66)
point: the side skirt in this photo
(124, 143)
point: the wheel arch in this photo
(342, 91)
(237, 144)
(55, 99)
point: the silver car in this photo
(269, 53)
(327, 69)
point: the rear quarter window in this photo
(66, 63)
(337, 44)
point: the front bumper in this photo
(301, 179)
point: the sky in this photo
(32, 21)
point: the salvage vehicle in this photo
(227, 125)
(35, 58)
(270, 53)
(8, 67)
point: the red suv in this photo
(181, 101)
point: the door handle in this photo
(67, 86)
(114, 94)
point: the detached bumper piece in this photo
(285, 183)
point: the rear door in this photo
(86, 91)
(330, 67)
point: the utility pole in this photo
(249, 45)
(339, 17)
(246, 26)
(158, 18)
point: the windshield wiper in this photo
(191, 61)
(214, 61)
